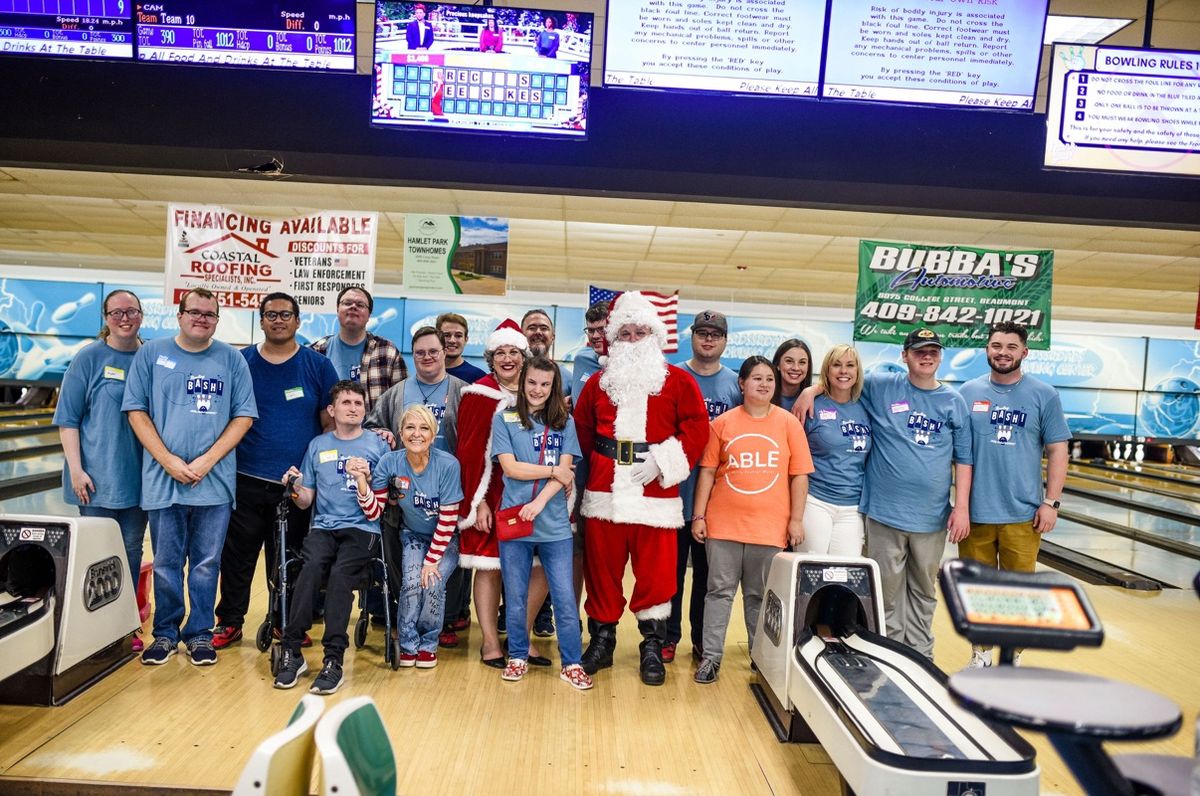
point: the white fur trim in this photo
(660, 611)
(512, 337)
(633, 509)
(495, 393)
(671, 460)
(479, 562)
(633, 307)
(504, 400)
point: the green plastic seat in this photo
(356, 753)
(282, 764)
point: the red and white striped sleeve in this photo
(446, 525)
(373, 502)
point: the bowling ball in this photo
(1172, 410)
(9, 348)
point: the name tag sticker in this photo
(165, 361)
(292, 393)
(324, 457)
(114, 373)
(981, 406)
(827, 414)
(512, 417)
(899, 406)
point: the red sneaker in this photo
(277, 634)
(448, 639)
(224, 635)
(668, 653)
(426, 660)
(136, 640)
(461, 623)
(407, 660)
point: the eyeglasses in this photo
(432, 353)
(279, 315)
(116, 315)
(597, 332)
(708, 335)
(358, 305)
(198, 315)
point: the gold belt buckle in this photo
(625, 451)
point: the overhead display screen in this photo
(295, 34)
(67, 28)
(477, 68)
(1123, 109)
(753, 47)
(972, 53)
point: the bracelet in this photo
(697, 517)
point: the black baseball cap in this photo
(922, 338)
(711, 319)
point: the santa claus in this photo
(481, 480)
(642, 424)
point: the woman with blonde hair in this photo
(839, 438)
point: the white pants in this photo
(831, 529)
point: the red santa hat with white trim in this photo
(508, 333)
(633, 307)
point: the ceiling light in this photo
(1081, 30)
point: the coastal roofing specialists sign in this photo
(955, 290)
(242, 257)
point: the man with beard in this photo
(642, 424)
(539, 331)
(1014, 418)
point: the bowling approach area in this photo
(459, 729)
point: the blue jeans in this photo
(193, 535)
(133, 533)
(422, 610)
(516, 564)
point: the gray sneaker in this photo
(330, 679)
(707, 671)
(158, 652)
(201, 652)
(291, 666)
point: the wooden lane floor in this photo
(458, 728)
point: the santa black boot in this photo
(654, 632)
(599, 653)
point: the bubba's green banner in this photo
(957, 291)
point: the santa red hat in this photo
(635, 308)
(508, 333)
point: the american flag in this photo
(667, 305)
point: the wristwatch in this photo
(1054, 504)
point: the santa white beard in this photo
(633, 371)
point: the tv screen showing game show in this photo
(477, 68)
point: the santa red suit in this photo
(658, 417)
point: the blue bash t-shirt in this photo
(1010, 425)
(586, 363)
(526, 445)
(324, 469)
(433, 397)
(90, 401)
(190, 397)
(346, 359)
(839, 439)
(917, 435)
(420, 495)
(291, 398)
(721, 393)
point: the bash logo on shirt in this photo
(355, 372)
(1004, 421)
(751, 464)
(202, 389)
(351, 485)
(715, 408)
(429, 505)
(439, 411)
(923, 427)
(857, 433)
(552, 442)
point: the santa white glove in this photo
(646, 469)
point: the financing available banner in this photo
(242, 257)
(957, 291)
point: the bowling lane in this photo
(1182, 505)
(46, 502)
(1138, 520)
(1127, 553)
(1180, 489)
(1147, 474)
(31, 440)
(33, 465)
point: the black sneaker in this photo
(543, 626)
(330, 679)
(708, 671)
(201, 652)
(159, 652)
(291, 666)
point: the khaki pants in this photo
(1012, 546)
(908, 564)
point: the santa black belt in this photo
(622, 450)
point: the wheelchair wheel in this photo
(276, 658)
(262, 639)
(394, 646)
(360, 632)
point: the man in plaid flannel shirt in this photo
(357, 354)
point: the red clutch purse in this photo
(510, 526)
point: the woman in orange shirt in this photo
(749, 503)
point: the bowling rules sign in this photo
(242, 257)
(957, 291)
